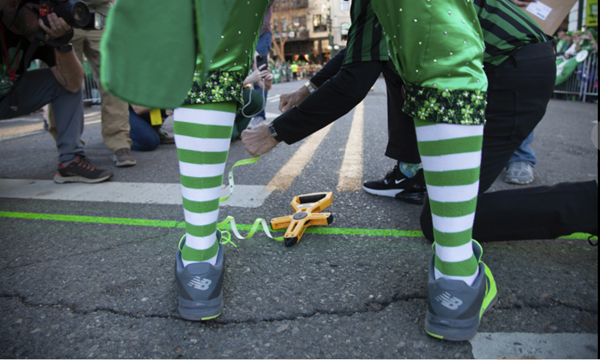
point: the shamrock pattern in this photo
(220, 86)
(462, 107)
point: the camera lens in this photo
(75, 13)
(80, 13)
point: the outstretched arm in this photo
(333, 66)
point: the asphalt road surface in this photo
(86, 271)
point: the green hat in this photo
(594, 34)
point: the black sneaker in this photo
(81, 170)
(200, 286)
(396, 184)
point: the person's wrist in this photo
(62, 40)
(273, 133)
(66, 48)
(303, 92)
(309, 86)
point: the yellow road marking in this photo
(286, 175)
(352, 166)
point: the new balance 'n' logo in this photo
(448, 301)
(200, 283)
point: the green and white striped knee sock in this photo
(451, 156)
(203, 137)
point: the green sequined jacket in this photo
(437, 47)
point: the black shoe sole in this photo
(416, 198)
(79, 179)
(383, 192)
(201, 311)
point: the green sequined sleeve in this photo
(437, 47)
(233, 57)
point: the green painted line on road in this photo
(181, 225)
(578, 236)
(94, 219)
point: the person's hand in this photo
(288, 101)
(140, 110)
(58, 27)
(268, 81)
(258, 76)
(258, 141)
(252, 78)
(523, 2)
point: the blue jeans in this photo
(142, 134)
(265, 41)
(524, 152)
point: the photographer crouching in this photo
(30, 30)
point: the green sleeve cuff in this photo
(462, 107)
(219, 86)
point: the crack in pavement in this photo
(65, 307)
(216, 322)
(373, 306)
(557, 302)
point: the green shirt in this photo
(506, 28)
(365, 38)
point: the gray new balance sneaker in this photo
(200, 286)
(455, 309)
(123, 157)
(519, 173)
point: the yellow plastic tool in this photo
(307, 212)
(155, 117)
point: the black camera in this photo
(75, 12)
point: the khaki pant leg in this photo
(115, 113)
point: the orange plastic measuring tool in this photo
(307, 212)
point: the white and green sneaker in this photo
(455, 308)
(200, 286)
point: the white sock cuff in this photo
(469, 280)
(455, 253)
(204, 117)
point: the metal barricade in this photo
(90, 87)
(589, 83)
(584, 80)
